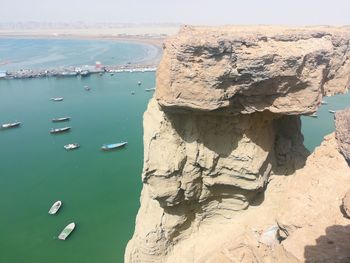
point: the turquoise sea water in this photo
(100, 190)
(46, 53)
(314, 129)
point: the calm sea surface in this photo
(100, 190)
(45, 53)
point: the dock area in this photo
(72, 71)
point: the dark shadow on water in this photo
(333, 247)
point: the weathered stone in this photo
(342, 132)
(346, 204)
(240, 69)
(210, 179)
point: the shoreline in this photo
(154, 42)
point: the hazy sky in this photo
(179, 11)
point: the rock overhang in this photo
(246, 69)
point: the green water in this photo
(314, 129)
(100, 190)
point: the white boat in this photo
(10, 125)
(55, 207)
(56, 99)
(153, 89)
(314, 115)
(139, 83)
(66, 231)
(323, 102)
(61, 119)
(59, 130)
(87, 88)
(112, 146)
(332, 111)
(71, 146)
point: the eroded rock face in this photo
(224, 123)
(342, 132)
(249, 69)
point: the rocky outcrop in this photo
(250, 69)
(222, 133)
(342, 132)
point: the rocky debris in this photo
(342, 132)
(346, 204)
(214, 183)
(271, 236)
(240, 69)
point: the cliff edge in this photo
(226, 177)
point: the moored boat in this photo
(10, 125)
(71, 146)
(323, 102)
(61, 119)
(332, 111)
(87, 88)
(59, 130)
(56, 99)
(55, 207)
(314, 115)
(85, 73)
(112, 146)
(139, 83)
(66, 231)
(153, 89)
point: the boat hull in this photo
(10, 125)
(66, 231)
(61, 119)
(55, 207)
(62, 130)
(110, 147)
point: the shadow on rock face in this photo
(333, 247)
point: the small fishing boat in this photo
(133, 93)
(84, 73)
(71, 146)
(62, 119)
(87, 88)
(314, 115)
(56, 99)
(323, 102)
(55, 207)
(10, 125)
(108, 147)
(59, 130)
(153, 89)
(332, 111)
(66, 231)
(139, 83)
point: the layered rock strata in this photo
(224, 121)
(342, 124)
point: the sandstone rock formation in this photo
(249, 69)
(220, 137)
(342, 124)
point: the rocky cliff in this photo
(223, 133)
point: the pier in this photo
(72, 71)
